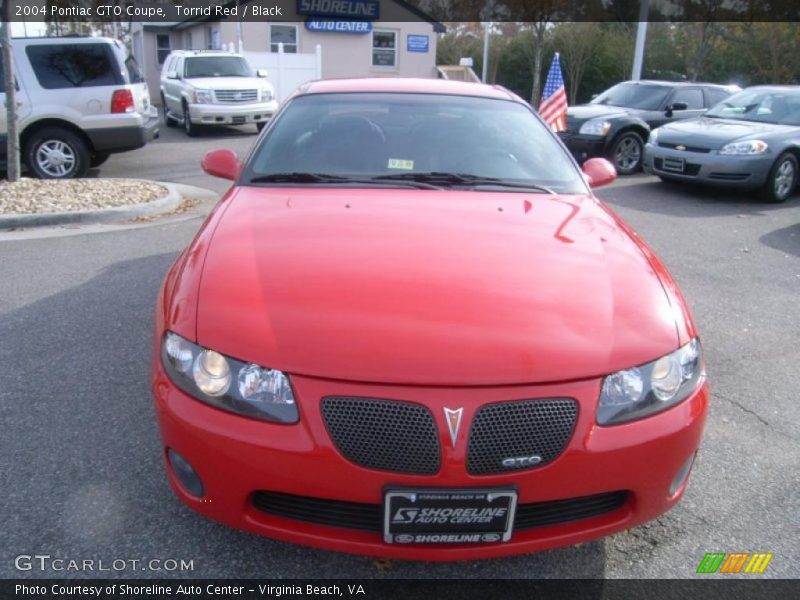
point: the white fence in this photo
(287, 70)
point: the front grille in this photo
(367, 517)
(697, 149)
(236, 95)
(555, 512)
(335, 513)
(519, 429)
(386, 435)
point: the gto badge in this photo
(680, 147)
(518, 462)
(453, 418)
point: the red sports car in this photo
(411, 330)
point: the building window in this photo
(214, 41)
(384, 48)
(162, 47)
(283, 34)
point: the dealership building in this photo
(322, 39)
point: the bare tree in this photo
(9, 83)
(576, 42)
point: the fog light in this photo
(682, 475)
(186, 474)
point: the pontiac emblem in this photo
(453, 418)
(680, 147)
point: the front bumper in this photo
(709, 168)
(232, 114)
(237, 457)
(584, 147)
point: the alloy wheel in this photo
(56, 158)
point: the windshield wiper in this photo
(299, 177)
(441, 178)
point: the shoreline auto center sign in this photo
(334, 26)
(368, 10)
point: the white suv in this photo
(214, 88)
(79, 99)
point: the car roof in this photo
(773, 88)
(64, 39)
(406, 85)
(203, 53)
(674, 84)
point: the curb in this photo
(105, 215)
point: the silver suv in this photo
(214, 88)
(80, 99)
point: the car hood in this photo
(593, 111)
(430, 287)
(715, 133)
(228, 83)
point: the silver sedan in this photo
(751, 140)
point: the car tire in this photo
(189, 127)
(168, 121)
(98, 159)
(261, 126)
(782, 179)
(627, 152)
(56, 153)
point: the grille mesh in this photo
(519, 429)
(383, 434)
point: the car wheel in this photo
(782, 179)
(98, 159)
(261, 126)
(626, 153)
(189, 127)
(55, 153)
(168, 121)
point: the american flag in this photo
(553, 108)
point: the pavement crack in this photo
(761, 419)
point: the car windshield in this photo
(416, 140)
(216, 66)
(634, 95)
(761, 106)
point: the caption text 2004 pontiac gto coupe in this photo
(411, 330)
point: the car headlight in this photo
(204, 96)
(647, 389)
(266, 94)
(243, 388)
(748, 147)
(653, 137)
(595, 127)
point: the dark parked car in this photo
(616, 123)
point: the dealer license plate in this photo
(674, 164)
(436, 516)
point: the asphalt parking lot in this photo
(80, 459)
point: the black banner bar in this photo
(718, 588)
(161, 11)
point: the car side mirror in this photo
(262, 73)
(172, 74)
(599, 172)
(222, 163)
(677, 106)
(594, 96)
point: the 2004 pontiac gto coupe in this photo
(411, 330)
